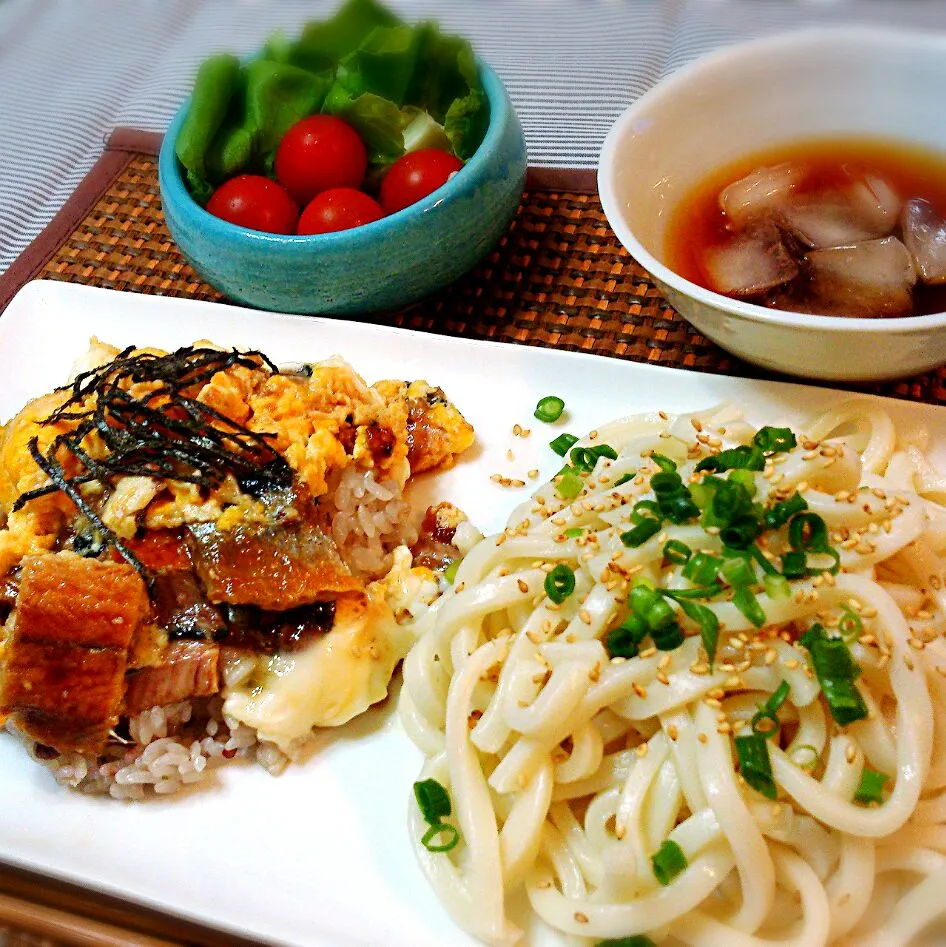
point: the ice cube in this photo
(753, 195)
(869, 279)
(924, 233)
(751, 262)
(862, 210)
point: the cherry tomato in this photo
(416, 175)
(250, 200)
(318, 153)
(340, 208)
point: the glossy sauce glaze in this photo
(699, 224)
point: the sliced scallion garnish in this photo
(708, 623)
(569, 484)
(776, 586)
(743, 457)
(623, 641)
(668, 861)
(747, 603)
(639, 534)
(664, 463)
(780, 513)
(755, 767)
(805, 756)
(450, 573)
(549, 409)
(850, 625)
(702, 568)
(635, 940)
(737, 572)
(870, 791)
(433, 800)
(676, 552)
(559, 584)
(563, 444)
(624, 478)
(774, 440)
(836, 671)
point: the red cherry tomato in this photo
(250, 200)
(318, 153)
(340, 208)
(416, 175)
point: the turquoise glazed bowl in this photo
(382, 265)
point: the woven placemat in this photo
(558, 277)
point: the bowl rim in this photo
(680, 79)
(174, 190)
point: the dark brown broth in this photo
(698, 224)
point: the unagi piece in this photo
(272, 566)
(67, 648)
(188, 669)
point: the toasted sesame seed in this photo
(523, 585)
(639, 689)
(702, 738)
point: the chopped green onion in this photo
(850, 625)
(569, 484)
(645, 509)
(641, 598)
(699, 591)
(763, 729)
(450, 573)
(780, 513)
(807, 532)
(559, 584)
(759, 556)
(740, 533)
(660, 613)
(776, 586)
(624, 478)
(664, 463)
(440, 828)
(668, 862)
(779, 696)
(635, 940)
(755, 765)
(794, 565)
(774, 440)
(623, 641)
(736, 458)
(666, 483)
(639, 534)
(563, 444)
(871, 788)
(585, 458)
(668, 637)
(573, 533)
(433, 800)
(730, 501)
(702, 568)
(745, 479)
(549, 409)
(769, 712)
(679, 507)
(836, 671)
(805, 756)
(737, 572)
(814, 568)
(747, 603)
(677, 552)
(709, 626)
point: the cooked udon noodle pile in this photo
(731, 730)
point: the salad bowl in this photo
(385, 264)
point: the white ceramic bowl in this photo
(747, 98)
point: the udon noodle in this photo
(568, 767)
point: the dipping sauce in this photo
(840, 226)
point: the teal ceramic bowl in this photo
(382, 265)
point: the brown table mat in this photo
(558, 278)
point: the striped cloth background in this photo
(71, 70)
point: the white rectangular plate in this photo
(320, 855)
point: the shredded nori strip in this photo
(165, 434)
